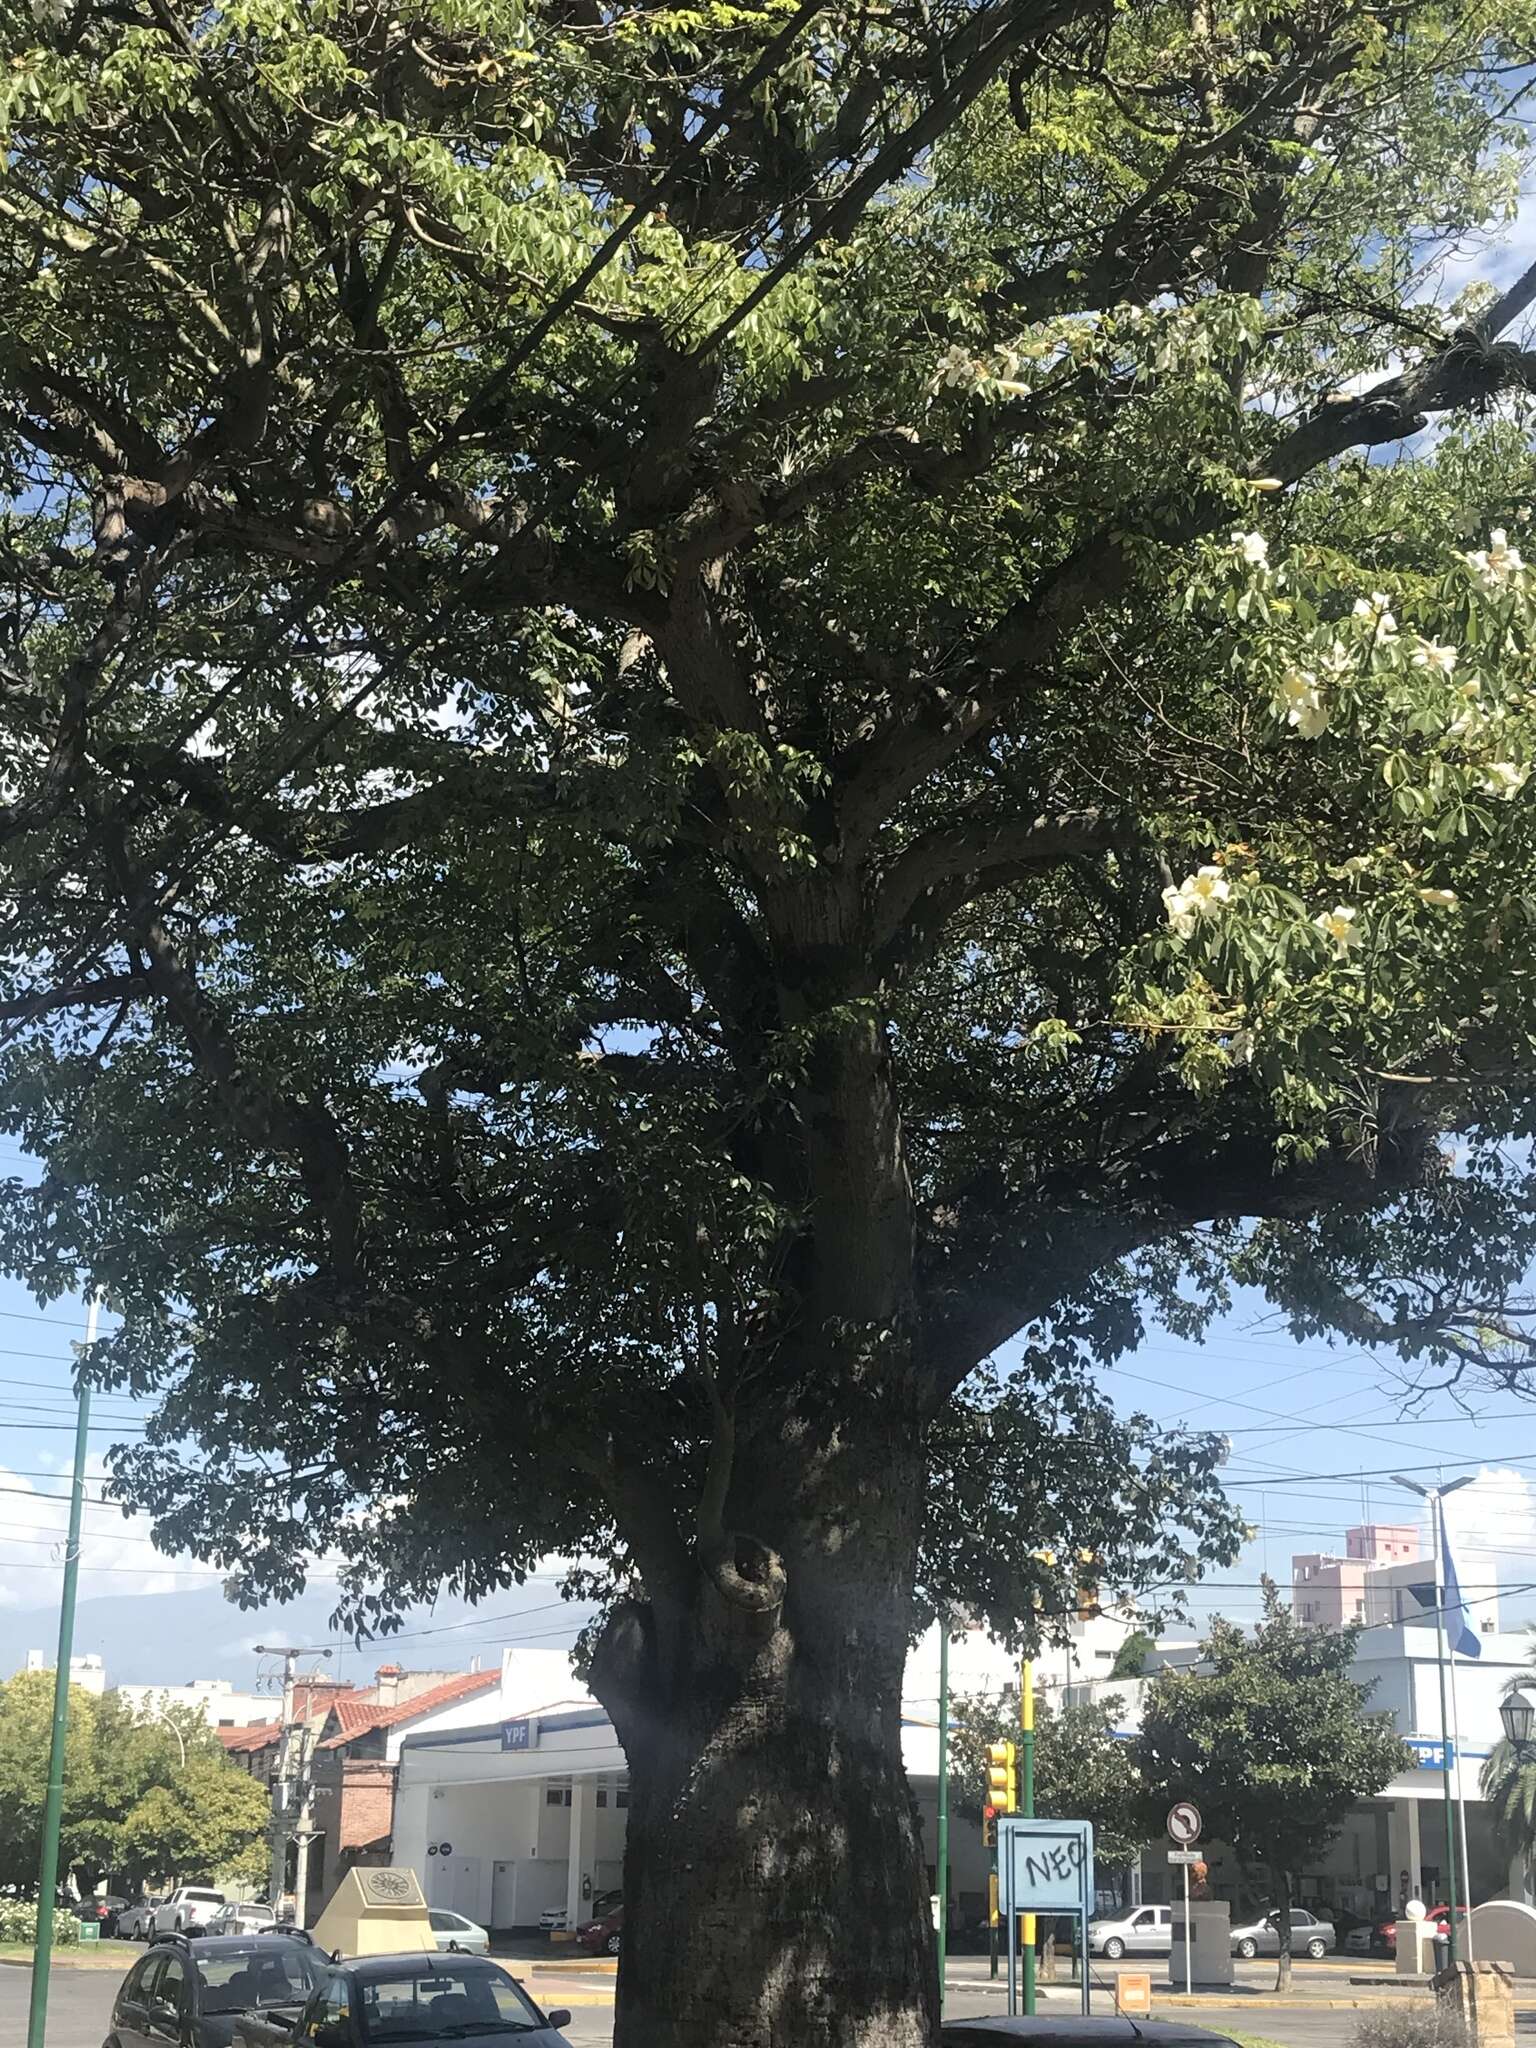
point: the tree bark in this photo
(1282, 1912)
(775, 1894)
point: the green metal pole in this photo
(943, 1871)
(1436, 1513)
(53, 1809)
(1027, 1806)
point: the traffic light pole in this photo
(1027, 1807)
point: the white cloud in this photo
(117, 1557)
(1492, 1527)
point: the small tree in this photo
(209, 1824)
(1083, 1770)
(1131, 1655)
(1269, 1734)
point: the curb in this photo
(596, 1966)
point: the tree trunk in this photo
(775, 1890)
(1282, 1912)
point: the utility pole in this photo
(292, 1773)
(53, 1806)
(1435, 1495)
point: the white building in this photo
(88, 1672)
(214, 1698)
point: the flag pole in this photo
(1448, 1574)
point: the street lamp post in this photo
(159, 1714)
(1518, 1716)
(1435, 1495)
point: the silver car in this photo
(1309, 1936)
(136, 1922)
(454, 1932)
(1143, 1931)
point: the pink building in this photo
(1329, 1591)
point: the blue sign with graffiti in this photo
(1430, 1753)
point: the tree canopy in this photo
(1083, 1769)
(710, 711)
(132, 1810)
(1270, 1736)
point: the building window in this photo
(557, 1795)
(602, 1795)
(621, 1797)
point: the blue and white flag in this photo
(1459, 1632)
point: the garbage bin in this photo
(90, 1930)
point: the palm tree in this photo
(1509, 1786)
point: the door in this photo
(130, 2018)
(1141, 1937)
(504, 1895)
(462, 1892)
(167, 2004)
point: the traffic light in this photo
(989, 1827)
(1003, 1776)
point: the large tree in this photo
(1270, 1736)
(706, 711)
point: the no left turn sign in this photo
(1184, 1823)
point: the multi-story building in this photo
(1330, 1591)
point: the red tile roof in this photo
(260, 1736)
(357, 1717)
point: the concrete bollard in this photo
(1482, 1996)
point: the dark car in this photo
(186, 1995)
(411, 2001)
(1062, 2031)
(603, 1935)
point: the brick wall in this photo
(367, 1802)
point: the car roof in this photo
(232, 1944)
(420, 1963)
(1103, 2030)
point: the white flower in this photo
(1252, 548)
(1470, 689)
(1339, 925)
(1240, 1048)
(1439, 899)
(1338, 659)
(1504, 779)
(1198, 895)
(1435, 658)
(1299, 702)
(1495, 564)
(1375, 609)
(54, 12)
(955, 367)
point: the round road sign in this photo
(1184, 1823)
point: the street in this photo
(80, 2003)
(1314, 2016)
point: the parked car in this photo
(603, 1935)
(189, 1906)
(1309, 1936)
(136, 1921)
(1063, 2030)
(102, 1909)
(458, 1936)
(1144, 1931)
(1379, 1937)
(413, 2001)
(246, 1916)
(552, 1920)
(191, 1995)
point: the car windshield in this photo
(248, 1980)
(448, 2005)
